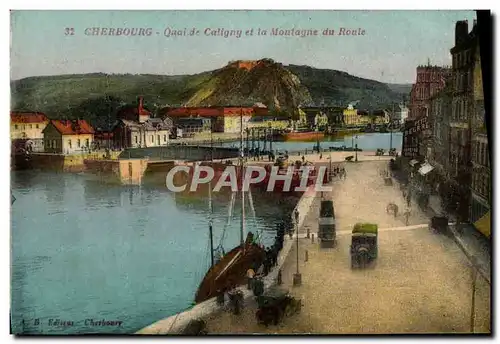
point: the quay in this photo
(421, 282)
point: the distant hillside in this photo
(401, 88)
(97, 96)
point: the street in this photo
(420, 283)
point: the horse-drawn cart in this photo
(276, 304)
(439, 224)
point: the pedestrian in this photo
(250, 277)
(266, 266)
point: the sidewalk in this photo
(475, 245)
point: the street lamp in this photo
(317, 138)
(356, 149)
(297, 277)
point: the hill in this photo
(97, 96)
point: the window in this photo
(37, 126)
(69, 143)
(164, 138)
(54, 145)
(31, 126)
(152, 138)
(87, 143)
(78, 143)
(15, 126)
(485, 155)
(136, 139)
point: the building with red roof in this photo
(135, 113)
(68, 136)
(226, 119)
(26, 130)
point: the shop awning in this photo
(425, 168)
(413, 162)
(483, 225)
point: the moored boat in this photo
(299, 135)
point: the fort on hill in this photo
(248, 64)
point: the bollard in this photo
(307, 256)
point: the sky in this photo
(394, 43)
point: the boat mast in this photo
(242, 232)
(210, 223)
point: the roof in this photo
(215, 111)
(75, 127)
(193, 111)
(28, 117)
(103, 135)
(365, 228)
(149, 125)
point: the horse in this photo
(391, 207)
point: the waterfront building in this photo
(154, 132)
(481, 172)
(26, 130)
(268, 122)
(351, 117)
(315, 116)
(224, 119)
(363, 119)
(464, 56)
(231, 118)
(380, 117)
(192, 125)
(401, 114)
(136, 127)
(68, 136)
(103, 139)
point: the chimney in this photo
(75, 126)
(140, 103)
(461, 31)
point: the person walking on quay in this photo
(250, 277)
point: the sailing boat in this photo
(230, 271)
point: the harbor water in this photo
(86, 255)
(365, 141)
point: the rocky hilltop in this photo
(248, 82)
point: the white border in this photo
(186, 4)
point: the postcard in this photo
(250, 172)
